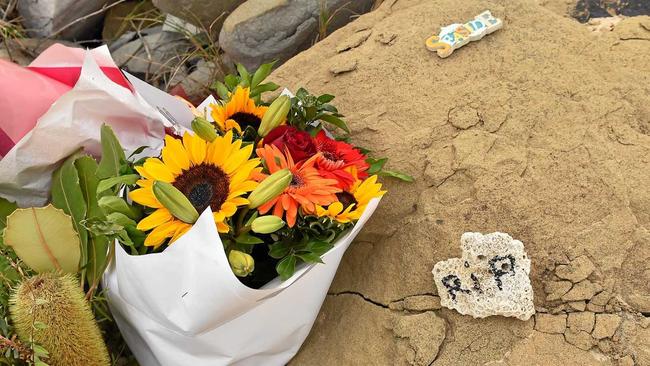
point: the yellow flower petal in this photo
(145, 197)
(223, 227)
(157, 170)
(335, 208)
(158, 235)
(228, 209)
(174, 155)
(157, 218)
(196, 148)
(182, 229)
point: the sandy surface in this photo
(541, 130)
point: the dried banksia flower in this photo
(70, 335)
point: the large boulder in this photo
(209, 14)
(47, 18)
(260, 31)
(541, 130)
(158, 52)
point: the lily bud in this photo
(204, 129)
(270, 188)
(275, 115)
(267, 224)
(112, 204)
(175, 201)
(242, 264)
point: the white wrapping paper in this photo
(185, 306)
(74, 122)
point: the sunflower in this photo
(353, 202)
(306, 190)
(239, 113)
(336, 158)
(214, 174)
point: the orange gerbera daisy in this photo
(307, 188)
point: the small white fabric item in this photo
(73, 122)
(490, 278)
(185, 306)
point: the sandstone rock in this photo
(579, 338)
(422, 303)
(525, 170)
(340, 68)
(602, 298)
(556, 289)
(490, 278)
(158, 52)
(205, 13)
(595, 308)
(578, 305)
(264, 30)
(583, 321)
(606, 325)
(578, 270)
(419, 337)
(584, 290)
(547, 323)
(43, 18)
(355, 41)
(626, 361)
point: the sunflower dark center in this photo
(346, 198)
(204, 185)
(246, 119)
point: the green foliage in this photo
(112, 154)
(44, 238)
(307, 241)
(308, 112)
(246, 80)
(377, 167)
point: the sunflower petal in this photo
(145, 197)
(158, 235)
(196, 148)
(174, 155)
(157, 218)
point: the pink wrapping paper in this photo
(27, 93)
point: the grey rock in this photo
(158, 52)
(43, 18)
(197, 83)
(260, 31)
(209, 14)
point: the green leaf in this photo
(325, 98)
(248, 239)
(120, 219)
(398, 175)
(6, 208)
(97, 245)
(286, 267)
(231, 81)
(376, 165)
(279, 250)
(309, 257)
(319, 247)
(268, 87)
(112, 154)
(68, 196)
(331, 119)
(261, 73)
(244, 75)
(109, 183)
(221, 89)
(44, 238)
(138, 151)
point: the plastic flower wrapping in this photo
(211, 243)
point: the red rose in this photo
(299, 143)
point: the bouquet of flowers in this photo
(217, 248)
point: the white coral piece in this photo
(490, 278)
